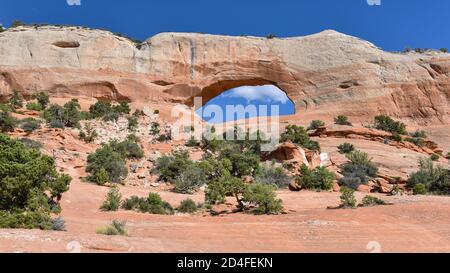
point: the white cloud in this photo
(264, 93)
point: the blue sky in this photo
(393, 25)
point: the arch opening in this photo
(246, 102)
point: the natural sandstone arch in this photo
(211, 91)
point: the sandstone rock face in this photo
(326, 73)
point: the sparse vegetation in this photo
(316, 124)
(386, 123)
(435, 157)
(155, 128)
(371, 201)
(298, 135)
(132, 123)
(346, 148)
(152, 204)
(29, 125)
(30, 186)
(358, 171)
(17, 23)
(273, 176)
(264, 198)
(317, 179)
(42, 99)
(188, 206)
(342, 120)
(89, 134)
(63, 116)
(16, 100)
(113, 199)
(430, 179)
(168, 167)
(106, 159)
(34, 106)
(7, 122)
(32, 144)
(190, 180)
(348, 199)
(115, 228)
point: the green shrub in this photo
(32, 144)
(270, 36)
(155, 128)
(105, 158)
(188, 206)
(415, 140)
(316, 124)
(348, 199)
(164, 138)
(419, 134)
(435, 179)
(273, 176)
(342, 120)
(111, 116)
(123, 108)
(5, 108)
(224, 186)
(112, 202)
(168, 167)
(298, 135)
(58, 224)
(132, 123)
(318, 179)
(444, 50)
(100, 109)
(29, 125)
(435, 157)
(17, 23)
(156, 112)
(65, 116)
(244, 163)
(101, 177)
(215, 168)
(358, 171)
(128, 149)
(192, 142)
(152, 204)
(16, 100)
(346, 148)
(386, 123)
(420, 189)
(89, 134)
(7, 122)
(115, 228)
(264, 198)
(30, 186)
(43, 99)
(370, 201)
(190, 180)
(33, 106)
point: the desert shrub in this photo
(42, 99)
(67, 115)
(152, 204)
(298, 135)
(386, 123)
(7, 122)
(32, 144)
(190, 180)
(214, 167)
(435, 179)
(270, 36)
(316, 124)
(273, 176)
(30, 186)
(187, 206)
(168, 167)
(100, 109)
(244, 163)
(101, 177)
(156, 112)
(128, 149)
(106, 159)
(138, 113)
(15, 100)
(443, 50)
(415, 140)
(348, 199)
(58, 224)
(435, 157)
(164, 137)
(358, 171)
(115, 228)
(112, 202)
(132, 123)
(5, 107)
(224, 186)
(317, 179)
(17, 23)
(420, 189)
(30, 125)
(342, 120)
(346, 148)
(192, 142)
(264, 198)
(34, 106)
(123, 108)
(155, 128)
(89, 134)
(371, 201)
(419, 134)
(111, 116)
